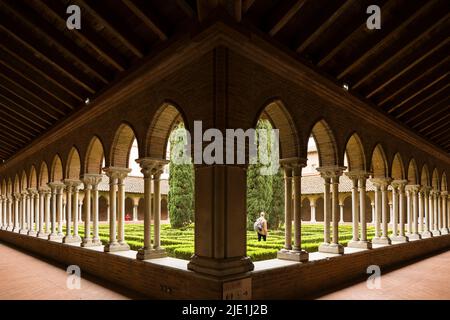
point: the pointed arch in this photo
(167, 117)
(425, 176)
(43, 174)
(379, 166)
(73, 165)
(444, 186)
(397, 169)
(3, 190)
(413, 173)
(9, 187)
(435, 179)
(355, 153)
(94, 156)
(33, 178)
(56, 173)
(279, 117)
(121, 147)
(16, 184)
(326, 144)
(24, 181)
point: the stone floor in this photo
(426, 279)
(26, 277)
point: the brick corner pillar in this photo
(381, 210)
(331, 209)
(293, 174)
(220, 221)
(151, 167)
(116, 209)
(444, 212)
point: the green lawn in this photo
(179, 243)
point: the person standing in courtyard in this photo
(261, 227)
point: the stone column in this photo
(341, 212)
(363, 243)
(426, 202)
(395, 207)
(59, 208)
(24, 209)
(333, 173)
(2, 219)
(48, 196)
(149, 167)
(326, 212)
(41, 233)
(414, 189)
(69, 196)
(287, 208)
(355, 211)
(54, 186)
(402, 210)
(76, 214)
(409, 211)
(381, 207)
(431, 209)
(95, 179)
(135, 209)
(436, 231)
(9, 208)
(17, 212)
(313, 211)
(34, 208)
(444, 214)
(87, 240)
(116, 240)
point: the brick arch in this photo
(94, 156)
(121, 147)
(16, 184)
(355, 153)
(9, 187)
(73, 169)
(165, 119)
(435, 179)
(33, 178)
(444, 182)
(280, 119)
(23, 181)
(425, 176)
(3, 190)
(397, 168)
(326, 144)
(43, 174)
(413, 175)
(56, 171)
(379, 166)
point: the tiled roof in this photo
(314, 184)
(133, 185)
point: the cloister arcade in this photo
(371, 170)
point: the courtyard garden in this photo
(179, 242)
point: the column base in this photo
(436, 233)
(444, 231)
(426, 234)
(9, 228)
(23, 231)
(399, 239)
(61, 235)
(116, 246)
(381, 240)
(54, 237)
(145, 254)
(32, 233)
(220, 267)
(91, 243)
(3, 228)
(15, 230)
(331, 248)
(414, 236)
(359, 244)
(42, 235)
(71, 239)
(293, 255)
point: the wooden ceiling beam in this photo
(186, 8)
(85, 35)
(39, 25)
(148, 21)
(441, 107)
(286, 17)
(113, 29)
(7, 142)
(17, 130)
(436, 126)
(385, 41)
(324, 26)
(423, 36)
(8, 117)
(20, 137)
(22, 112)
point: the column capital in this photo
(24, 194)
(117, 172)
(151, 166)
(331, 171)
(444, 194)
(17, 195)
(295, 164)
(357, 174)
(91, 179)
(56, 185)
(413, 188)
(44, 190)
(381, 182)
(32, 191)
(399, 183)
(426, 190)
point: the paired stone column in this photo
(116, 213)
(381, 210)
(17, 212)
(91, 182)
(40, 231)
(294, 166)
(72, 193)
(2, 214)
(436, 196)
(414, 234)
(331, 175)
(287, 208)
(313, 210)
(151, 167)
(135, 209)
(24, 213)
(34, 212)
(398, 203)
(426, 202)
(56, 210)
(359, 210)
(444, 212)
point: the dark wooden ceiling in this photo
(47, 72)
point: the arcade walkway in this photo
(424, 280)
(25, 277)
